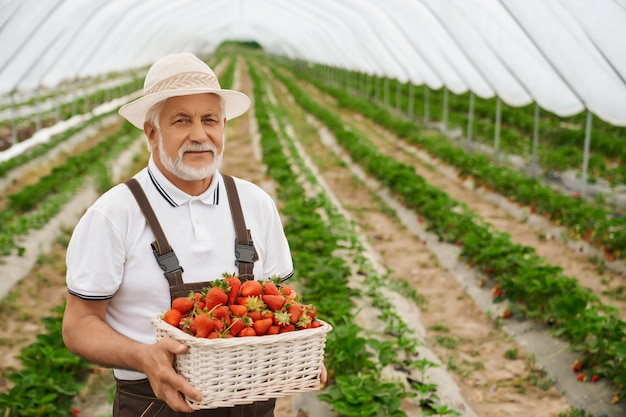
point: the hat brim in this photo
(236, 103)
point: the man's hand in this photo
(165, 382)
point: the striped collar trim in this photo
(174, 196)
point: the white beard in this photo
(186, 172)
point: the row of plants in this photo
(49, 378)
(536, 289)
(39, 150)
(27, 125)
(584, 219)
(317, 235)
(33, 206)
(562, 138)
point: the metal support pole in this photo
(398, 96)
(445, 108)
(426, 104)
(13, 121)
(387, 92)
(411, 100)
(583, 180)
(496, 139)
(534, 164)
(470, 118)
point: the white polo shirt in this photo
(109, 255)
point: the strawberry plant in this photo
(49, 379)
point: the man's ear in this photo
(150, 131)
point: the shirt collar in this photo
(177, 197)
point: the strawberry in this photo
(315, 324)
(183, 304)
(247, 331)
(287, 328)
(238, 310)
(261, 326)
(582, 377)
(234, 286)
(221, 312)
(270, 288)
(172, 317)
(216, 295)
(578, 365)
(310, 310)
(274, 302)
(595, 378)
(273, 329)
(185, 325)
(251, 288)
(219, 325)
(202, 325)
(282, 318)
(236, 326)
(295, 311)
(255, 315)
(496, 292)
(287, 290)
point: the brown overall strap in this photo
(163, 252)
(245, 253)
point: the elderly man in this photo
(116, 285)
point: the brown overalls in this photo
(136, 398)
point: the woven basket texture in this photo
(243, 370)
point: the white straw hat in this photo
(180, 75)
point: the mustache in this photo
(197, 147)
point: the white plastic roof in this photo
(565, 55)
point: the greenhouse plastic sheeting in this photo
(565, 55)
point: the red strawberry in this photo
(236, 326)
(288, 290)
(262, 326)
(595, 378)
(282, 318)
(578, 365)
(216, 295)
(582, 377)
(221, 312)
(287, 328)
(219, 325)
(183, 304)
(247, 331)
(238, 310)
(315, 324)
(295, 312)
(172, 317)
(202, 325)
(251, 288)
(234, 286)
(310, 311)
(270, 288)
(255, 315)
(274, 302)
(273, 329)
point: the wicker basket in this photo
(243, 370)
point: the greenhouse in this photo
(449, 177)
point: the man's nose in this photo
(198, 133)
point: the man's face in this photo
(190, 141)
